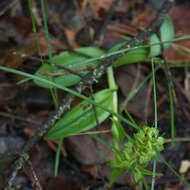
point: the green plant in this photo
(137, 152)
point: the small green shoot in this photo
(136, 154)
(155, 120)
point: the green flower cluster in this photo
(137, 152)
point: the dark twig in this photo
(91, 77)
(37, 183)
(106, 21)
(69, 71)
(9, 154)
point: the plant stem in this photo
(155, 120)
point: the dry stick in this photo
(37, 183)
(106, 21)
(91, 77)
(57, 74)
(9, 154)
(4, 114)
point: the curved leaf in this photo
(166, 34)
(167, 31)
(69, 60)
(132, 56)
(114, 175)
(82, 117)
(155, 49)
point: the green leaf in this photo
(145, 171)
(155, 49)
(138, 176)
(114, 175)
(148, 172)
(132, 56)
(167, 32)
(69, 60)
(82, 117)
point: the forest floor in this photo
(24, 107)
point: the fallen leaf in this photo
(126, 79)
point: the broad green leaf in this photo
(82, 117)
(155, 49)
(167, 32)
(69, 60)
(132, 56)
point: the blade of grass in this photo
(155, 120)
(169, 82)
(173, 171)
(46, 28)
(54, 90)
(35, 30)
(136, 90)
(102, 142)
(130, 117)
(171, 114)
(57, 157)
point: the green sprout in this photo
(136, 153)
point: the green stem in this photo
(52, 91)
(46, 28)
(155, 120)
(112, 84)
(57, 158)
(34, 29)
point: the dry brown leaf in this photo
(96, 6)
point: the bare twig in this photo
(37, 183)
(4, 114)
(106, 21)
